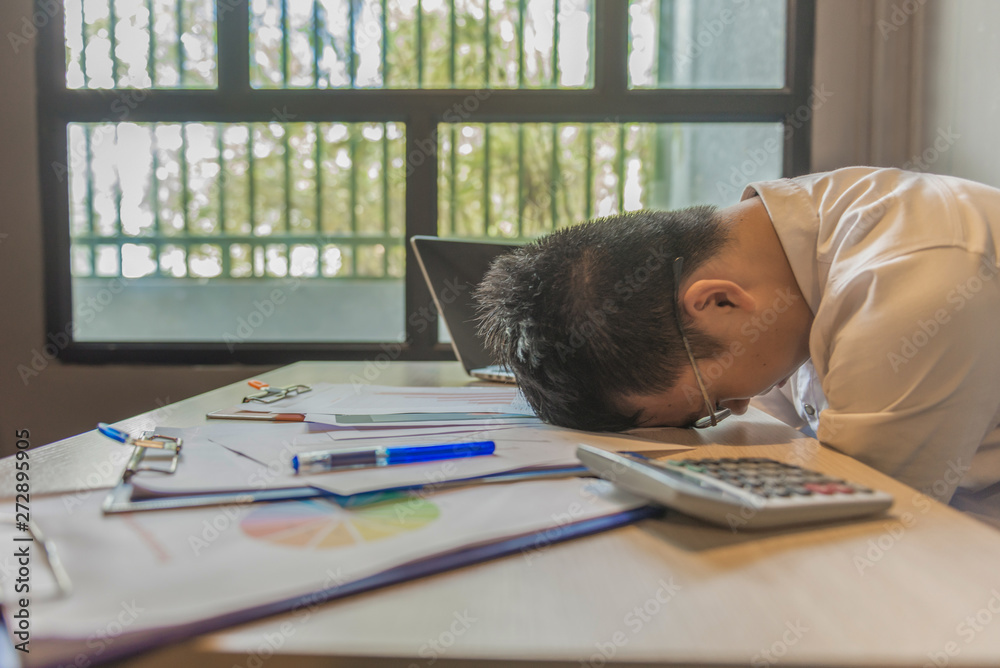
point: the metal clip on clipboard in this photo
(270, 394)
(158, 444)
(155, 453)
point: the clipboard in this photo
(164, 459)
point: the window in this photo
(230, 180)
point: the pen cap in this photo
(111, 432)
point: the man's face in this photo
(731, 388)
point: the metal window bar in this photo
(555, 49)
(554, 175)
(353, 179)
(286, 155)
(185, 194)
(521, 7)
(252, 198)
(453, 183)
(227, 248)
(520, 180)
(420, 43)
(315, 43)
(620, 166)
(113, 37)
(89, 156)
(486, 180)
(589, 173)
(352, 65)
(151, 56)
(384, 51)
(318, 211)
(453, 30)
(180, 43)
(117, 195)
(386, 221)
(487, 62)
(83, 42)
(154, 194)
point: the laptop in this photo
(453, 268)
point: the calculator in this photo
(738, 493)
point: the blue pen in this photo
(165, 442)
(354, 458)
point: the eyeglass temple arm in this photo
(678, 268)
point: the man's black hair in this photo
(585, 316)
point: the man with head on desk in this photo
(864, 304)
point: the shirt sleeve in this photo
(909, 359)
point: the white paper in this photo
(242, 457)
(327, 399)
(516, 448)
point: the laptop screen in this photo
(453, 268)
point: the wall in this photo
(960, 96)
(914, 85)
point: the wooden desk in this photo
(920, 586)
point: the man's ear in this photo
(710, 298)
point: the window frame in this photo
(235, 101)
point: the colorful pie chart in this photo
(320, 524)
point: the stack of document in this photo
(141, 580)
(375, 404)
(211, 557)
(229, 462)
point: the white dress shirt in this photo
(900, 271)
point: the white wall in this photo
(960, 93)
(915, 84)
